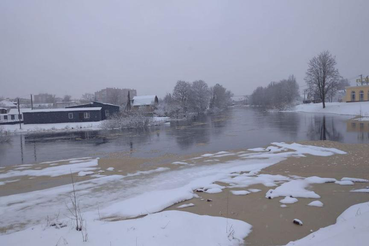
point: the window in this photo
(361, 97)
(5, 117)
(70, 116)
(12, 117)
(352, 95)
(20, 117)
(106, 113)
(361, 126)
(86, 115)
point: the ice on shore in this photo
(186, 205)
(288, 200)
(316, 204)
(159, 229)
(240, 192)
(351, 228)
(297, 188)
(145, 192)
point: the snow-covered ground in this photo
(56, 127)
(42, 218)
(354, 109)
(351, 228)
(61, 127)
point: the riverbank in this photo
(271, 219)
(354, 109)
(224, 193)
(63, 127)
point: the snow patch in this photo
(316, 204)
(240, 192)
(288, 200)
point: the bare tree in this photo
(181, 94)
(221, 98)
(67, 98)
(200, 95)
(88, 97)
(277, 95)
(322, 76)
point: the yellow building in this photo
(357, 93)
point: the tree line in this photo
(196, 97)
(322, 79)
(277, 95)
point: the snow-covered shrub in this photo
(4, 135)
(134, 120)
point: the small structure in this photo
(7, 104)
(146, 104)
(107, 109)
(357, 93)
(11, 116)
(65, 115)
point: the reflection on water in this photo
(322, 128)
(360, 127)
(286, 123)
(238, 128)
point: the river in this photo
(238, 128)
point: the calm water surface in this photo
(239, 128)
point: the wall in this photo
(357, 90)
(60, 117)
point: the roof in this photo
(143, 100)
(64, 110)
(109, 104)
(92, 103)
(7, 104)
(22, 110)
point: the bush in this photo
(130, 121)
(4, 135)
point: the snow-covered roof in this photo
(22, 110)
(64, 110)
(143, 100)
(238, 98)
(109, 104)
(7, 104)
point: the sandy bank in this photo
(272, 224)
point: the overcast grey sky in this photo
(73, 47)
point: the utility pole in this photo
(19, 116)
(31, 102)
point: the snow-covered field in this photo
(41, 217)
(61, 127)
(354, 109)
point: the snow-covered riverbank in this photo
(108, 196)
(65, 127)
(354, 109)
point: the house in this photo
(7, 104)
(145, 104)
(11, 116)
(64, 115)
(357, 93)
(107, 109)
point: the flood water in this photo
(238, 128)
